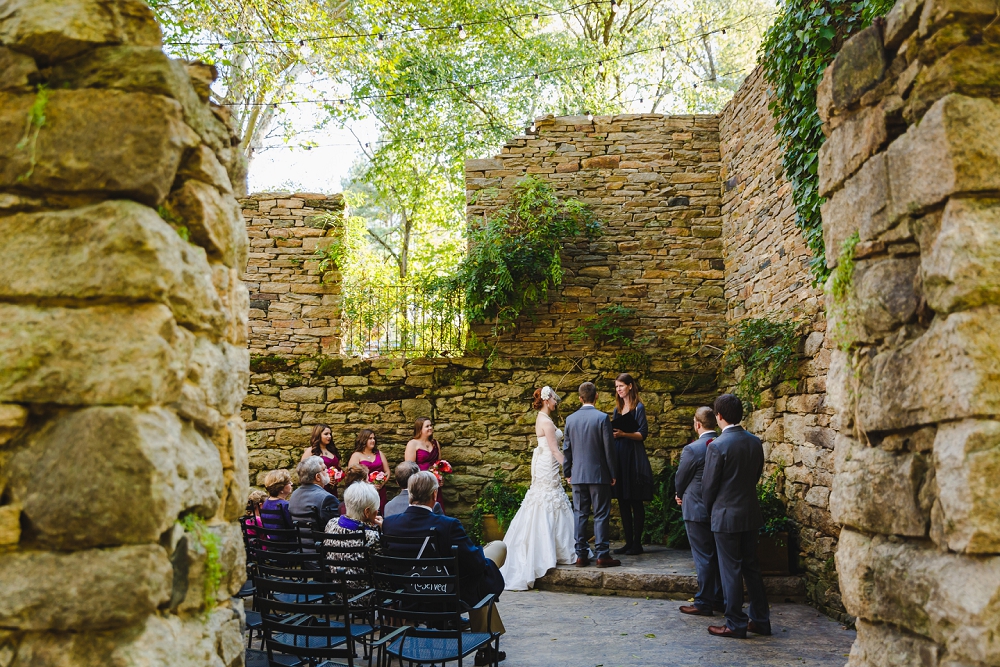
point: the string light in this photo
(590, 117)
(380, 40)
(219, 53)
(614, 7)
(406, 101)
(723, 31)
(479, 135)
(461, 32)
(340, 105)
(600, 67)
(535, 22)
(538, 81)
(533, 128)
(422, 142)
(662, 49)
(472, 91)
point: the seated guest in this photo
(361, 501)
(254, 501)
(479, 568)
(274, 511)
(398, 505)
(352, 474)
(310, 504)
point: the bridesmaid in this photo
(635, 475)
(366, 454)
(321, 444)
(423, 449)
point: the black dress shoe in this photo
(485, 656)
(623, 550)
(761, 629)
(726, 631)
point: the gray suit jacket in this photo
(589, 447)
(733, 464)
(687, 481)
(399, 504)
(312, 504)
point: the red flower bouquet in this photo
(377, 476)
(336, 474)
(440, 469)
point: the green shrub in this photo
(498, 497)
(664, 521)
(766, 350)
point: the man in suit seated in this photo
(479, 568)
(311, 504)
(398, 505)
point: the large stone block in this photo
(859, 67)
(885, 295)
(961, 268)
(900, 22)
(52, 30)
(967, 467)
(83, 590)
(955, 148)
(876, 491)
(880, 645)
(950, 372)
(972, 70)
(860, 206)
(952, 599)
(15, 68)
(128, 474)
(213, 220)
(190, 560)
(122, 144)
(99, 355)
(235, 301)
(236, 461)
(216, 382)
(938, 12)
(847, 148)
(141, 259)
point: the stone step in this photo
(660, 572)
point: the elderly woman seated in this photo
(361, 520)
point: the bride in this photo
(541, 534)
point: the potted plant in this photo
(774, 545)
(494, 509)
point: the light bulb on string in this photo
(662, 49)
(479, 135)
(538, 80)
(614, 7)
(406, 101)
(219, 54)
(472, 91)
(340, 105)
(534, 128)
(590, 117)
(696, 86)
(600, 67)
(422, 142)
(461, 32)
(302, 42)
(380, 40)
(535, 21)
(723, 31)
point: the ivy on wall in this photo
(766, 350)
(514, 257)
(797, 48)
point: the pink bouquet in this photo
(377, 476)
(440, 469)
(336, 474)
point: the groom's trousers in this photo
(596, 497)
(738, 565)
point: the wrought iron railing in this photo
(402, 321)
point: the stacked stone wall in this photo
(910, 165)
(653, 181)
(123, 350)
(482, 415)
(767, 276)
(294, 306)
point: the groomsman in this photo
(733, 465)
(696, 519)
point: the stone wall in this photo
(483, 417)
(767, 275)
(911, 165)
(123, 357)
(294, 307)
(653, 181)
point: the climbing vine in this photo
(212, 544)
(766, 350)
(609, 326)
(797, 48)
(513, 257)
(840, 287)
(33, 125)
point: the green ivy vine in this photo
(608, 326)
(796, 49)
(514, 257)
(33, 125)
(212, 544)
(766, 350)
(840, 286)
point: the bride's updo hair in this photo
(538, 402)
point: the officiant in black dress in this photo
(635, 475)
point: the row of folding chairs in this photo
(390, 607)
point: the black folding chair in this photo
(423, 593)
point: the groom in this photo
(591, 469)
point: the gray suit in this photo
(592, 465)
(696, 521)
(311, 505)
(733, 465)
(399, 504)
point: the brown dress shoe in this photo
(608, 561)
(761, 629)
(695, 611)
(582, 562)
(725, 631)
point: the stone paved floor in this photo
(548, 629)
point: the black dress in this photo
(635, 475)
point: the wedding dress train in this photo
(541, 535)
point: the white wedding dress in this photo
(541, 535)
